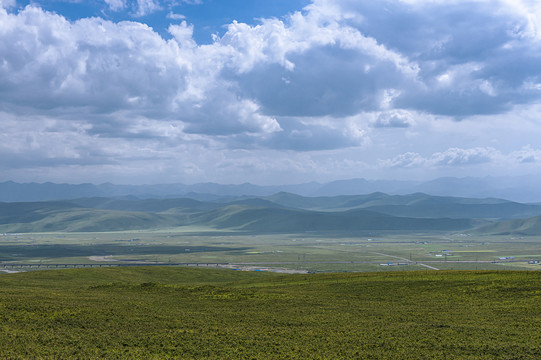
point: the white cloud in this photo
(174, 16)
(116, 5)
(336, 75)
(316, 63)
(526, 155)
(7, 3)
(452, 157)
(394, 119)
(309, 70)
(531, 12)
(463, 50)
(183, 34)
(145, 7)
(459, 157)
(405, 160)
(92, 64)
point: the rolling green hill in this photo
(189, 313)
(91, 220)
(414, 205)
(282, 212)
(508, 210)
(63, 216)
(182, 205)
(27, 212)
(530, 226)
(258, 219)
(175, 206)
(294, 220)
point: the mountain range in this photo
(524, 189)
(278, 213)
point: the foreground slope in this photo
(192, 313)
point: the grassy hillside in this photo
(142, 313)
(85, 220)
(253, 215)
(26, 212)
(280, 213)
(530, 226)
(508, 210)
(268, 220)
(413, 205)
(182, 205)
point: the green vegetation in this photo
(530, 226)
(313, 252)
(246, 216)
(201, 313)
(188, 312)
(279, 213)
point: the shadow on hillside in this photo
(11, 253)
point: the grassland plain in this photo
(187, 313)
(314, 252)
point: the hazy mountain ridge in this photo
(521, 189)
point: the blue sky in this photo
(209, 17)
(164, 91)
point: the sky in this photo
(268, 91)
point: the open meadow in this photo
(191, 313)
(311, 252)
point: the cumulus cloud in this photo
(38, 141)
(173, 16)
(526, 155)
(92, 64)
(462, 50)
(116, 5)
(344, 57)
(452, 157)
(328, 77)
(96, 68)
(312, 66)
(406, 160)
(225, 88)
(334, 59)
(457, 157)
(145, 7)
(394, 119)
(7, 3)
